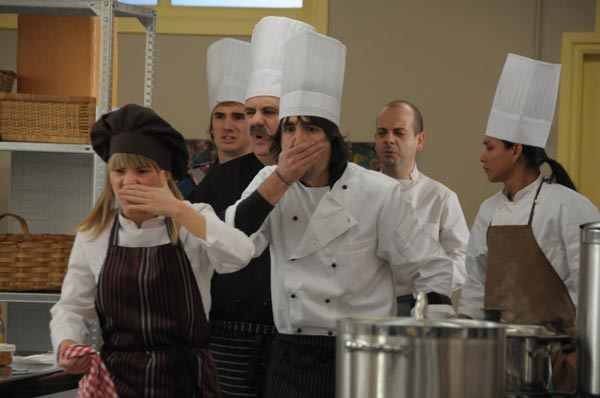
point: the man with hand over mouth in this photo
(242, 326)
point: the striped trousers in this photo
(301, 367)
(240, 352)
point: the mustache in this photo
(260, 130)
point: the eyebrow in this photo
(392, 129)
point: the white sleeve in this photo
(227, 248)
(260, 238)
(473, 291)
(412, 252)
(454, 237)
(75, 310)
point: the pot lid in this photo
(413, 328)
(513, 329)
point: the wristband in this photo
(281, 178)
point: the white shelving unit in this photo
(106, 10)
(25, 307)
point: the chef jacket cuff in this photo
(438, 311)
(471, 311)
(58, 336)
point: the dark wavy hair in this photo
(535, 156)
(339, 147)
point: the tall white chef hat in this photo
(266, 61)
(313, 77)
(524, 103)
(227, 71)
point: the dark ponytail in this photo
(535, 156)
(559, 174)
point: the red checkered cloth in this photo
(96, 383)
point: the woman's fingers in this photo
(76, 365)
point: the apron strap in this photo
(113, 239)
(533, 204)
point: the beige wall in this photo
(445, 56)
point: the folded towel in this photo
(96, 383)
(37, 359)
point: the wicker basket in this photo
(43, 118)
(7, 77)
(33, 262)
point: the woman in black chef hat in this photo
(144, 269)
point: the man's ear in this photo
(420, 141)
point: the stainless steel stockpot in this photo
(588, 311)
(408, 358)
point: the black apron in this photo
(523, 283)
(153, 323)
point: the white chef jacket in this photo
(439, 210)
(225, 250)
(559, 211)
(334, 257)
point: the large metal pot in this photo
(588, 312)
(408, 358)
(528, 367)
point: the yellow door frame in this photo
(575, 47)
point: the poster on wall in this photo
(201, 155)
(363, 154)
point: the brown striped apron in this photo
(153, 323)
(523, 283)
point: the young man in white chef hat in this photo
(337, 231)
(241, 316)
(523, 253)
(227, 70)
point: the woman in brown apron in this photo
(523, 253)
(146, 270)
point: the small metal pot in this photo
(528, 367)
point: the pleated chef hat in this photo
(524, 103)
(313, 77)
(227, 70)
(266, 61)
(139, 130)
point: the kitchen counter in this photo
(34, 380)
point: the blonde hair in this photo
(104, 209)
